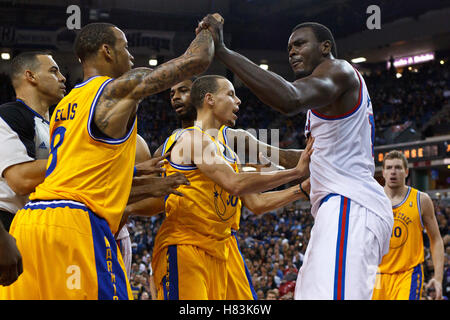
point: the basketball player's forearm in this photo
(147, 207)
(289, 157)
(252, 182)
(24, 177)
(268, 201)
(437, 256)
(269, 87)
(194, 61)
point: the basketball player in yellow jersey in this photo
(65, 233)
(190, 253)
(400, 274)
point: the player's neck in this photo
(396, 194)
(207, 123)
(92, 70)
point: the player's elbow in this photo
(289, 105)
(256, 209)
(234, 186)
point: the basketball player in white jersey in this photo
(353, 218)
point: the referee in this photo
(24, 144)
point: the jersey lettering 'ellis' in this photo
(84, 165)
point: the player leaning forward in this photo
(65, 234)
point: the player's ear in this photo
(30, 76)
(209, 99)
(107, 52)
(325, 47)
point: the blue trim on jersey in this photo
(111, 280)
(79, 85)
(416, 283)
(173, 293)
(247, 272)
(175, 165)
(404, 199)
(225, 155)
(91, 116)
(44, 204)
(164, 146)
(34, 112)
(419, 208)
(339, 279)
(225, 134)
(182, 167)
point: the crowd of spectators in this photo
(410, 99)
(273, 244)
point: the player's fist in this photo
(213, 23)
(218, 17)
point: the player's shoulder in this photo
(424, 197)
(337, 69)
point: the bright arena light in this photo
(153, 62)
(264, 66)
(359, 60)
(5, 56)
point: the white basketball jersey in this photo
(342, 162)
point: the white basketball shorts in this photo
(343, 252)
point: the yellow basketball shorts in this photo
(239, 282)
(399, 286)
(186, 272)
(68, 252)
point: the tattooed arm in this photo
(117, 106)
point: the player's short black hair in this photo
(23, 61)
(92, 37)
(202, 86)
(321, 32)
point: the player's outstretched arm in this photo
(287, 158)
(260, 203)
(215, 167)
(328, 81)
(117, 103)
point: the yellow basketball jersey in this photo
(406, 245)
(231, 157)
(83, 165)
(204, 215)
